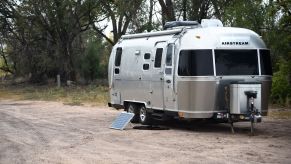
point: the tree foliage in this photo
(120, 15)
(281, 90)
(41, 39)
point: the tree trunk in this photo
(150, 23)
(167, 11)
(184, 10)
(170, 10)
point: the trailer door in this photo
(169, 98)
(156, 98)
(116, 98)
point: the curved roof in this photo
(221, 37)
(198, 38)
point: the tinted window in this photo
(236, 62)
(158, 58)
(116, 70)
(195, 63)
(146, 66)
(147, 56)
(169, 55)
(265, 59)
(118, 56)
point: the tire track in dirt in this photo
(16, 123)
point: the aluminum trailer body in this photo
(193, 72)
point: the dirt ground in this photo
(50, 132)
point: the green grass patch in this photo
(96, 95)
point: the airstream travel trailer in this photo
(191, 71)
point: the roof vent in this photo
(180, 24)
(211, 23)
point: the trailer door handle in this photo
(168, 81)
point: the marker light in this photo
(181, 114)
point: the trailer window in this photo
(146, 66)
(265, 60)
(195, 63)
(236, 62)
(118, 56)
(169, 55)
(116, 70)
(147, 56)
(158, 58)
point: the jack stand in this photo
(231, 127)
(252, 128)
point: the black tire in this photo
(133, 108)
(145, 117)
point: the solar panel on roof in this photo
(121, 121)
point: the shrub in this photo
(281, 87)
(90, 62)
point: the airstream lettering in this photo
(191, 71)
(235, 43)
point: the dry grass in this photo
(74, 95)
(279, 112)
(87, 95)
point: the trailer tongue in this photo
(244, 103)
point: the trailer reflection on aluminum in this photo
(190, 70)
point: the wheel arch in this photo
(127, 102)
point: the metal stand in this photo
(130, 125)
(231, 127)
(251, 96)
(252, 127)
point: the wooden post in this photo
(59, 80)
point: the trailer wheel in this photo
(132, 108)
(144, 116)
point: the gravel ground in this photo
(50, 132)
